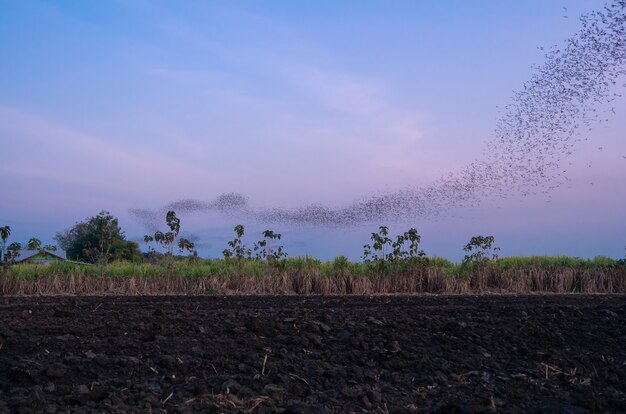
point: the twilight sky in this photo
(137, 104)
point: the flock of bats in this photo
(537, 131)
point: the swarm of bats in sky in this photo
(537, 131)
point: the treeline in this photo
(100, 240)
(391, 264)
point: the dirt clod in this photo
(514, 354)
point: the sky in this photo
(123, 105)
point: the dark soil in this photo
(538, 354)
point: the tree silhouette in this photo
(98, 238)
(14, 250)
(480, 247)
(184, 244)
(238, 249)
(168, 239)
(5, 232)
(34, 244)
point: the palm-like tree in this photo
(34, 244)
(14, 250)
(5, 232)
(184, 244)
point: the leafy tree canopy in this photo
(34, 244)
(97, 239)
(5, 232)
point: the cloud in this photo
(48, 150)
(387, 132)
(359, 113)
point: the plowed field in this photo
(510, 354)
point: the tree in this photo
(5, 232)
(480, 247)
(34, 244)
(238, 249)
(14, 251)
(264, 248)
(184, 244)
(97, 239)
(148, 240)
(381, 242)
(168, 239)
(125, 250)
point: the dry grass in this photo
(276, 281)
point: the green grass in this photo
(307, 275)
(224, 268)
(33, 271)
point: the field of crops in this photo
(305, 275)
